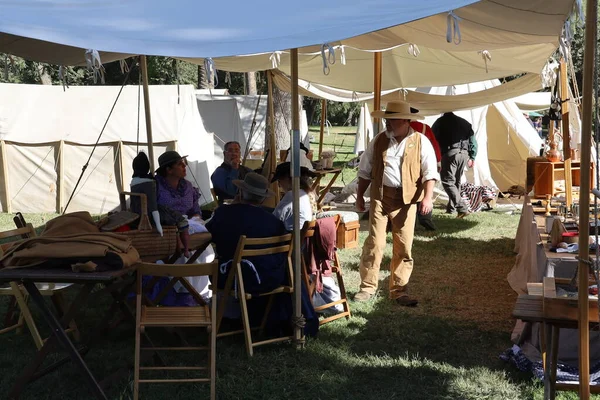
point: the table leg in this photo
(326, 189)
(554, 360)
(58, 335)
(548, 361)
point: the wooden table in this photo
(116, 282)
(316, 184)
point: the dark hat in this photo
(168, 157)
(255, 184)
(141, 165)
(284, 169)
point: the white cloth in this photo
(304, 161)
(200, 283)
(284, 210)
(392, 170)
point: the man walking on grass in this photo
(459, 149)
(400, 165)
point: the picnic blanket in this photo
(71, 239)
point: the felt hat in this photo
(255, 184)
(284, 169)
(168, 157)
(398, 110)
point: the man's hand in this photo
(426, 206)
(360, 203)
(470, 163)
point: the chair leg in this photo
(343, 292)
(244, 308)
(213, 364)
(37, 338)
(59, 302)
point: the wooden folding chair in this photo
(178, 317)
(309, 234)
(248, 247)
(20, 296)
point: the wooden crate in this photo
(347, 235)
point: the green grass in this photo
(447, 348)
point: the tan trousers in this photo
(403, 229)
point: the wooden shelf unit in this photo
(547, 173)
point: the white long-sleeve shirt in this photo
(392, 170)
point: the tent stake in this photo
(144, 70)
(591, 20)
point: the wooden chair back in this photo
(308, 234)
(203, 316)
(249, 247)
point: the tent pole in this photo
(144, 69)
(564, 94)
(271, 162)
(295, 142)
(60, 190)
(5, 177)
(323, 122)
(376, 90)
(591, 21)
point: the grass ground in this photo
(446, 348)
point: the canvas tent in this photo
(48, 133)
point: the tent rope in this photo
(486, 57)
(211, 72)
(252, 130)
(98, 139)
(329, 59)
(413, 50)
(94, 64)
(275, 58)
(452, 28)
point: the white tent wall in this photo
(364, 130)
(32, 150)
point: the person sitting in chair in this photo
(284, 211)
(231, 169)
(246, 217)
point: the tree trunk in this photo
(202, 78)
(44, 75)
(283, 118)
(251, 83)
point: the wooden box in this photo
(347, 235)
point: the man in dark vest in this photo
(400, 166)
(459, 148)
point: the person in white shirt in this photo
(401, 167)
(284, 210)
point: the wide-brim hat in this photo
(254, 183)
(398, 110)
(168, 157)
(284, 169)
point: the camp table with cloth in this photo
(116, 282)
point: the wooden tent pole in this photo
(60, 190)
(376, 90)
(564, 94)
(591, 23)
(295, 142)
(8, 204)
(144, 70)
(323, 122)
(270, 131)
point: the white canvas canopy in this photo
(47, 135)
(487, 39)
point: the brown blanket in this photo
(72, 236)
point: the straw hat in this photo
(255, 184)
(397, 110)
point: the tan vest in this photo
(412, 182)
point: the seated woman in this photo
(284, 211)
(175, 193)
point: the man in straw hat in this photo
(401, 167)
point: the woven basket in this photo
(146, 239)
(151, 245)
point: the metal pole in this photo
(591, 20)
(144, 70)
(296, 203)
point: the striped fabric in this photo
(476, 197)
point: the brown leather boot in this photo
(362, 296)
(401, 297)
